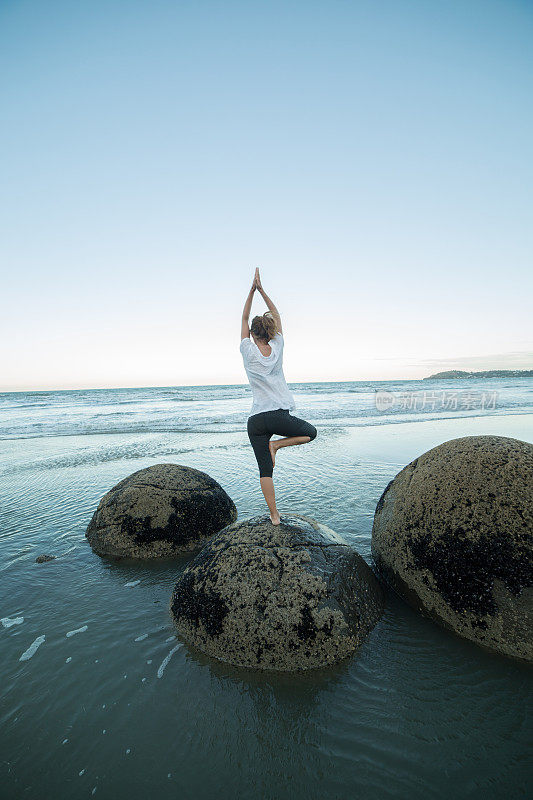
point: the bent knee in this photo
(312, 432)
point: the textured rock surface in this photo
(43, 558)
(286, 597)
(453, 535)
(158, 512)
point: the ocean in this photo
(101, 698)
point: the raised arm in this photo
(271, 307)
(245, 327)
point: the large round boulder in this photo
(160, 511)
(453, 535)
(277, 597)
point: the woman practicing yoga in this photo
(272, 400)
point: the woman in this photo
(272, 400)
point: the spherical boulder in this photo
(160, 511)
(277, 597)
(453, 535)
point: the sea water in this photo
(101, 697)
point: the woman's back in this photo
(265, 374)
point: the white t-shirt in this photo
(266, 377)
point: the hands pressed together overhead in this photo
(256, 284)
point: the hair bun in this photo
(264, 327)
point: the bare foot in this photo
(275, 520)
(272, 447)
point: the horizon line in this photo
(186, 385)
(245, 384)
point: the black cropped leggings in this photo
(261, 427)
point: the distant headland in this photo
(487, 373)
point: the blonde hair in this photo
(264, 327)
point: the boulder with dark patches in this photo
(453, 535)
(292, 596)
(159, 512)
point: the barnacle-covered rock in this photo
(453, 535)
(160, 511)
(277, 597)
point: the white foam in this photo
(7, 622)
(170, 639)
(64, 741)
(132, 583)
(166, 660)
(140, 638)
(68, 659)
(128, 751)
(94, 790)
(77, 630)
(149, 661)
(32, 648)
(81, 773)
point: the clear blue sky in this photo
(373, 158)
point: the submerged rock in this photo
(453, 535)
(43, 558)
(279, 597)
(160, 511)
